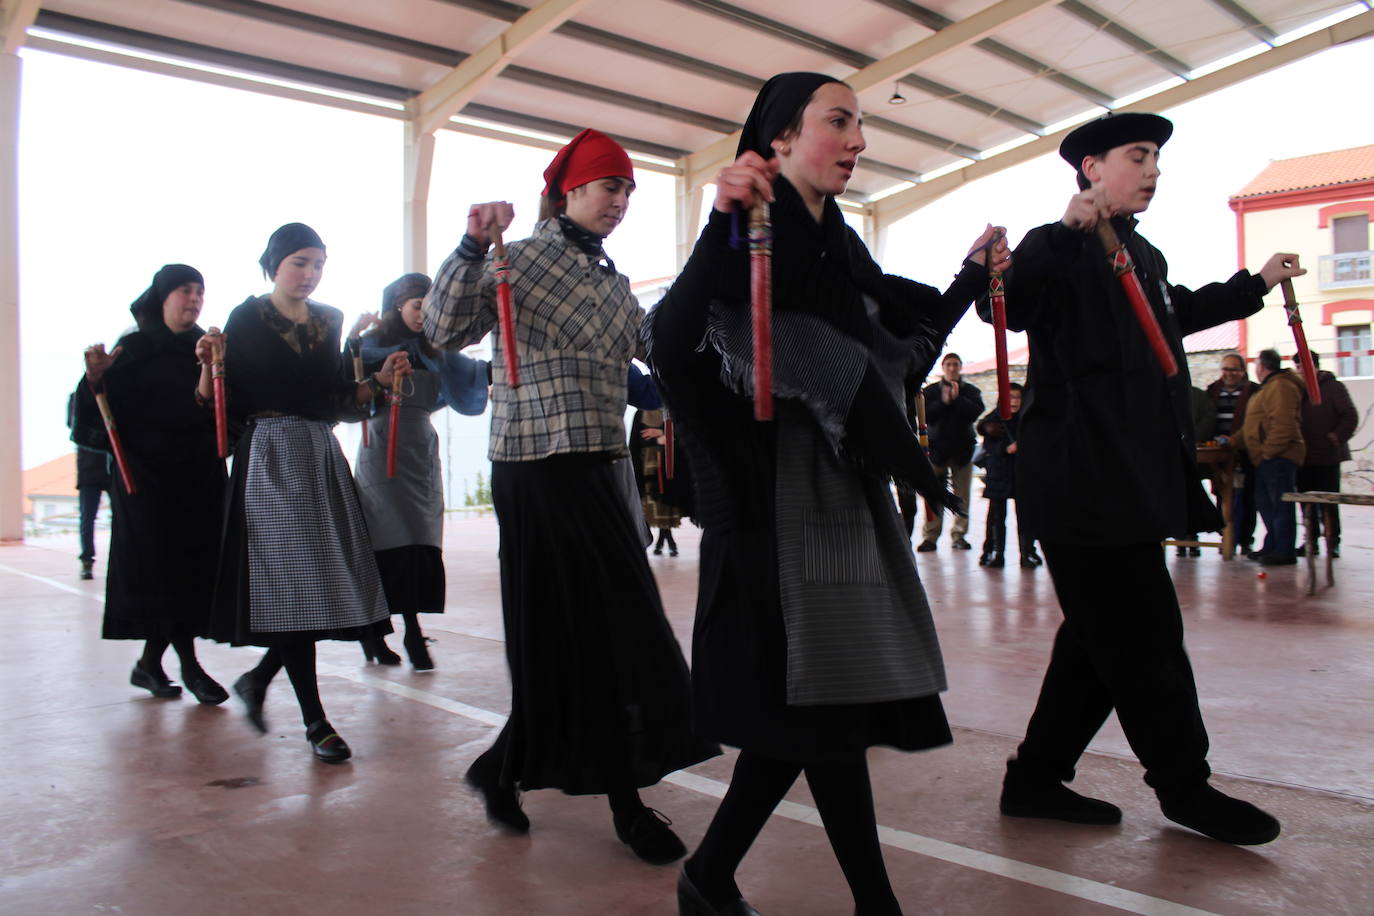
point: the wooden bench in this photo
(1317, 501)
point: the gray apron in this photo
(408, 509)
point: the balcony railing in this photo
(1349, 268)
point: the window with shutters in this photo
(1353, 342)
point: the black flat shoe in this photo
(86, 569)
(160, 687)
(253, 697)
(1055, 801)
(996, 560)
(691, 902)
(205, 689)
(503, 803)
(326, 743)
(418, 650)
(377, 650)
(926, 547)
(1031, 560)
(961, 544)
(1219, 816)
(646, 832)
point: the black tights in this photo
(298, 658)
(153, 649)
(844, 798)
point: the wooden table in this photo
(1222, 460)
(1319, 501)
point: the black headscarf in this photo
(286, 241)
(775, 107)
(147, 308)
(403, 289)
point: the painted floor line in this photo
(62, 586)
(990, 863)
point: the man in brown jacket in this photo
(1273, 440)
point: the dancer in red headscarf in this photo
(599, 689)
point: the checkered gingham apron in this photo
(310, 562)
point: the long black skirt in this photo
(739, 669)
(599, 688)
(413, 579)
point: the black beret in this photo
(1113, 130)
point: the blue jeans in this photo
(1273, 478)
(88, 499)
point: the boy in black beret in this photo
(1106, 469)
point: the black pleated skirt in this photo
(739, 669)
(413, 579)
(599, 687)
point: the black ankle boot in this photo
(502, 802)
(645, 830)
(417, 647)
(378, 650)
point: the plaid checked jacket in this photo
(577, 328)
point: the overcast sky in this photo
(122, 171)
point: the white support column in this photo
(419, 163)
(875, 232)
(11, 474)
(687, 209)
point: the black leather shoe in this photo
(691, 902)
(996, 560)
(159, 687)
(377, 650)
(926, 547)
(961, 544)
(418, 650)
(1194, 551)
(1180, 551)
(253, 696)
(1220, 816)
(326, 743)
(87, 567)
(1054, 801)
(646, 832)
(1277, 559)
(205, 689)
(1030, 559)
(503, 803)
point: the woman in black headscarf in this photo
(405, 513)
(296, 563)
(813, 638)
(164, 539)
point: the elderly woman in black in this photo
(164, 539)
(296, 563)
(813, 638)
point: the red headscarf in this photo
(588, 156)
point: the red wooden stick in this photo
(221, 414)
(761, 297)
(1124, 268)
(669, 448)
(358, 377)
(1309, 368)
(393, 425)
(997, 293)
(116, 446)
(505, 309)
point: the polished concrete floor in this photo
(114, 802)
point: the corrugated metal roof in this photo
(1317, 171)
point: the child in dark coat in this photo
(999, 485)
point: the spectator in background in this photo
(1231, 393)
(92, 479)
(1326, 429)
(1273, 440)
(999, 485)
(1204, 430)
(952, 407)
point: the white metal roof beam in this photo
(460, 85)
(903, 203)
(1124, 35)
(855, 59)
(15, 18)
(1252, 24)
(933, 20)
(703, 164)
